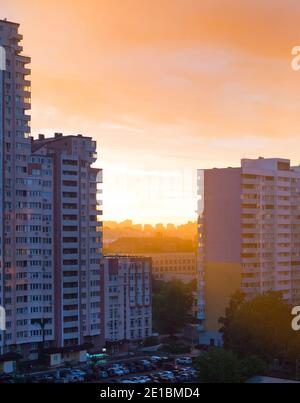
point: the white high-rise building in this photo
(15, 149)
(77, 237)
(249, 234)
(50, 225)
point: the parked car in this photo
(145, 362)
(131, 367)
(166, 379)
(148, 368)
(170, 366)
(194, 374)
(115, 372)
(125, 370)
(72, 377)
(116, 365)
(168, 373)
(166, 359)
(128, 381)
(139, 367)
(78, 371)
(166, 376)
(103, 374)
(111, 372)
(183, 377)
(46, 378)
(78, 375)
(155, 359)
(146, 378)
(154, 377)
(184, 361)
(137, 380)
(143, 379)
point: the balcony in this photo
(250, 181)
(16, 36)
(283, 287)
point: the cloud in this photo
(164, 85)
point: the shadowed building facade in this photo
(249, 236)
(50, 225)
(128, 300)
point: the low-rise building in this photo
(174, 266)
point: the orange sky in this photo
(165, 86)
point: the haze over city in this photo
(149, 195)
(163, 89)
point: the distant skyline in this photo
(165, 88)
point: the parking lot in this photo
(154, 369)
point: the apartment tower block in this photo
(249, 234)
(50, 223)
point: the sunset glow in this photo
(165, 87)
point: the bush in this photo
(222, 366)
(253, 366)
(219, 366)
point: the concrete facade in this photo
(174, 266)
(249, 240)
(50, 224)
(128, 300)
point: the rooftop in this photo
(5, 21)
(42, 140)
(268, 379)
(126, 256)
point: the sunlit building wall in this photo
(249, 234)
(174, 266)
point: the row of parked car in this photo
(181, 375)
(102, 372)
(171, 371)
(65, 375)
(99, 372)
(60, 376)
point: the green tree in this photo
(260, 326)
(222, 366)
(253, 366)
(219, 366)
(172, 304)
